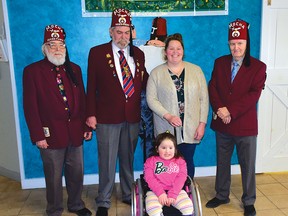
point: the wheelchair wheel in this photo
(195, 196)
(137, 199)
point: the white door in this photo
(272, 144)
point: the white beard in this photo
(56, 60)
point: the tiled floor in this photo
(272, 198)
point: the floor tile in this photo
(265, 179)
(285, 211)
(233, 207)
(281, 201)
(271, 212)
(280, 177)
(273, 189)
(263, 203)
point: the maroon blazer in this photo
(44, 106)
(240, 97)
(105, 97)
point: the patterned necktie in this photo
(128, 85)
(59, 81)
(234, 70)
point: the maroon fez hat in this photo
(54, 33)
(238, 29)
(121, 17)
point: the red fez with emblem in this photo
(121, 17)
(238, 29)
(159, 29)
(54, 33)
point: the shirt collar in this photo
(116, 49)
(239, 61)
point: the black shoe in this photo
(215, 202)
(249, 210)
(102, 211)
(128, 202)
(82, 212)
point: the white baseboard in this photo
(91, 179)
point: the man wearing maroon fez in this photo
(54, 108)
(116, 77)
(234, 90)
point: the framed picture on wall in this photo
(103, 8)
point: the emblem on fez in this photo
(122, 20)
(235, 32)
(54, 35)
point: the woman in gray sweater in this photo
(178, 96)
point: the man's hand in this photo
(42, 144)
(91, 122)
(223, 112)
(226, 120)
(87, 135)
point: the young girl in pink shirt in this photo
(166, 172)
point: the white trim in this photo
(3, 52)
(13, 86)
(91, 179)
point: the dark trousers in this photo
(55, 161)
(188, 151)
(246, 152)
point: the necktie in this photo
(128, 86)
(59, 81)
(234, 70)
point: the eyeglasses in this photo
(54, 46)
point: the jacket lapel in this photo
(227, 69)
(138, 72)
(110, 61)
(50, 78)
(240, 74)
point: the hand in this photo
(175, 121)
(87, 135)
(42, 144)
(171, 201)
(163, 199)
(199, 133)
(157, 43)
(91, 122)
(226, 120)
(223, 112)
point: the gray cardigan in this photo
(162, 99)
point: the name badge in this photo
(46, 131)
(214, 116)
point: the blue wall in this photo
(205, 39)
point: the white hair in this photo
(54, 60)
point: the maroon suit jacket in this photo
(44, 106)
(240, 97)
(105, 97)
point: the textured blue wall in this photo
(205, 39)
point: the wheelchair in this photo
(140, 188)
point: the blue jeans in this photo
(187, 151)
